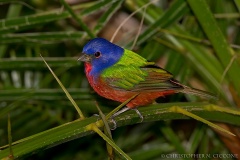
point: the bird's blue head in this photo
(101, 54)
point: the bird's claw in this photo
(96, 115)
(139, 114)
(111, 119)
(114, 123)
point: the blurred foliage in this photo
(197, 41)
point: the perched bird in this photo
(118, 74)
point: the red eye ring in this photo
(97, 54)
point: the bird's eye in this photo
(97, 54)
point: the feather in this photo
(195, 91)
(149, 78)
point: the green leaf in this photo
(107, 15)
(174, 13)
(28, 63)
(220, 45)
(42, 37)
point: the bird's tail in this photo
(198, 92)
(194, 91)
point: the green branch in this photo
(76, 129)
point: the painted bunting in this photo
(118, 74)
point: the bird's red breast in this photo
(108, 92)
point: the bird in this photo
(118, 74)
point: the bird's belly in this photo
(142, 98)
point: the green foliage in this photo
(194, 39)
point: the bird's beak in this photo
(85, 57)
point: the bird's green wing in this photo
(133, 73)
(148, 78)
(123, 77)
(157, 79)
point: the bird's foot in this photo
(139, 114)
(97, 115)
(116, 114)
(120, 112)
(112, 119)
(114, 123)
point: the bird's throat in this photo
(88, 67)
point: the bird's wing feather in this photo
(134, 78)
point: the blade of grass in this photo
(107, 132)
(44, 94)
(152, 152)
(212, 64)
(125, 20)
(202, 60)
(78, 19)
(151, 15)
(13, 11)
(96, 6)
(237, 3)
(109, 141)
(204, 144)
(5, 110)
(174, 13)
(66, 92)
(11, 156)
(196, 138)
(50, 138)
(180, 110)
(41, 37)
(107, 15)
(222, 109)
(28, 63)
(173, 138)
(219, 43)
(20, 23)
